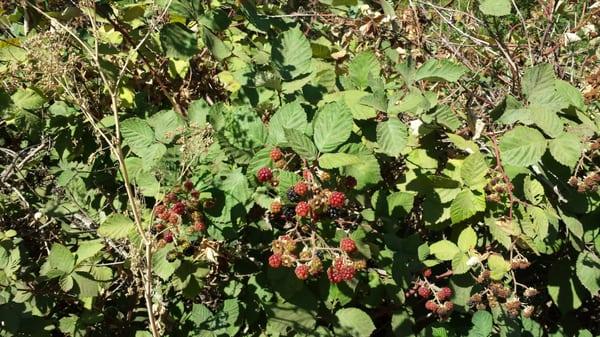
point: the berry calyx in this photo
(444, 294)
(431, 306)
(276, 154)
(275, 260)
(302, 209)
(348, 245)
(424, 292)
(302, 271)
(264, 174)
(337, 199)
(301, 188)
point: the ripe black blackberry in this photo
(336, 212)
(276, 219)
(289, 211)
(292, 195)
(189, 251)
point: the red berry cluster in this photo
(317, 195)
(309, 263)
(342, 269)
(179, 214)
(438, 298)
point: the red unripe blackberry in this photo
(168, 236)
(199, 226)
(302, 209)
(195, 194)
(302, 271)
(178, 208)
(264, 174)
(424, 292)
(165, 216)
(337, 199)
(275, 260)
(307, 174)
(173, 218)
(275, 207)
(431, 306)
(449, 306)
(444, 294)
(347, 245)
(159, 209)
(427, 272)
(276, 154)
(334, 275)
(188, 185)
(348, 272)
(300, 188)
(170, 197)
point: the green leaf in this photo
(440, 70)
(301, 144)
(498, 266)
(361, 67)
(495, 7)
(353, 99)
(367, 171)
(88, 249)
(292, 54)
(467, 239)
(219, 50)
(161, 266)
(116, 226)
(289, 116)
(332, 126)
(573, 224)
(459, 264)
(444, 250)
(335, 160)
(566, 149)
(588, 271)
(28, 99)
(138, 135)
(473, 170)
(178, 41)
(563, 288)
(482, 324)
(353, 322)
(166, 124)
(392, 136)
(569, 94)
(465, 205)
(547, 120)
(533, 189)
(61, 258)
(538, 81)
(515, 151)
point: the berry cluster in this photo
(309, 260)
(496, 293)
(179, 219)
(588, 183)
(316, 196)
(496, 188)
(437, 298)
